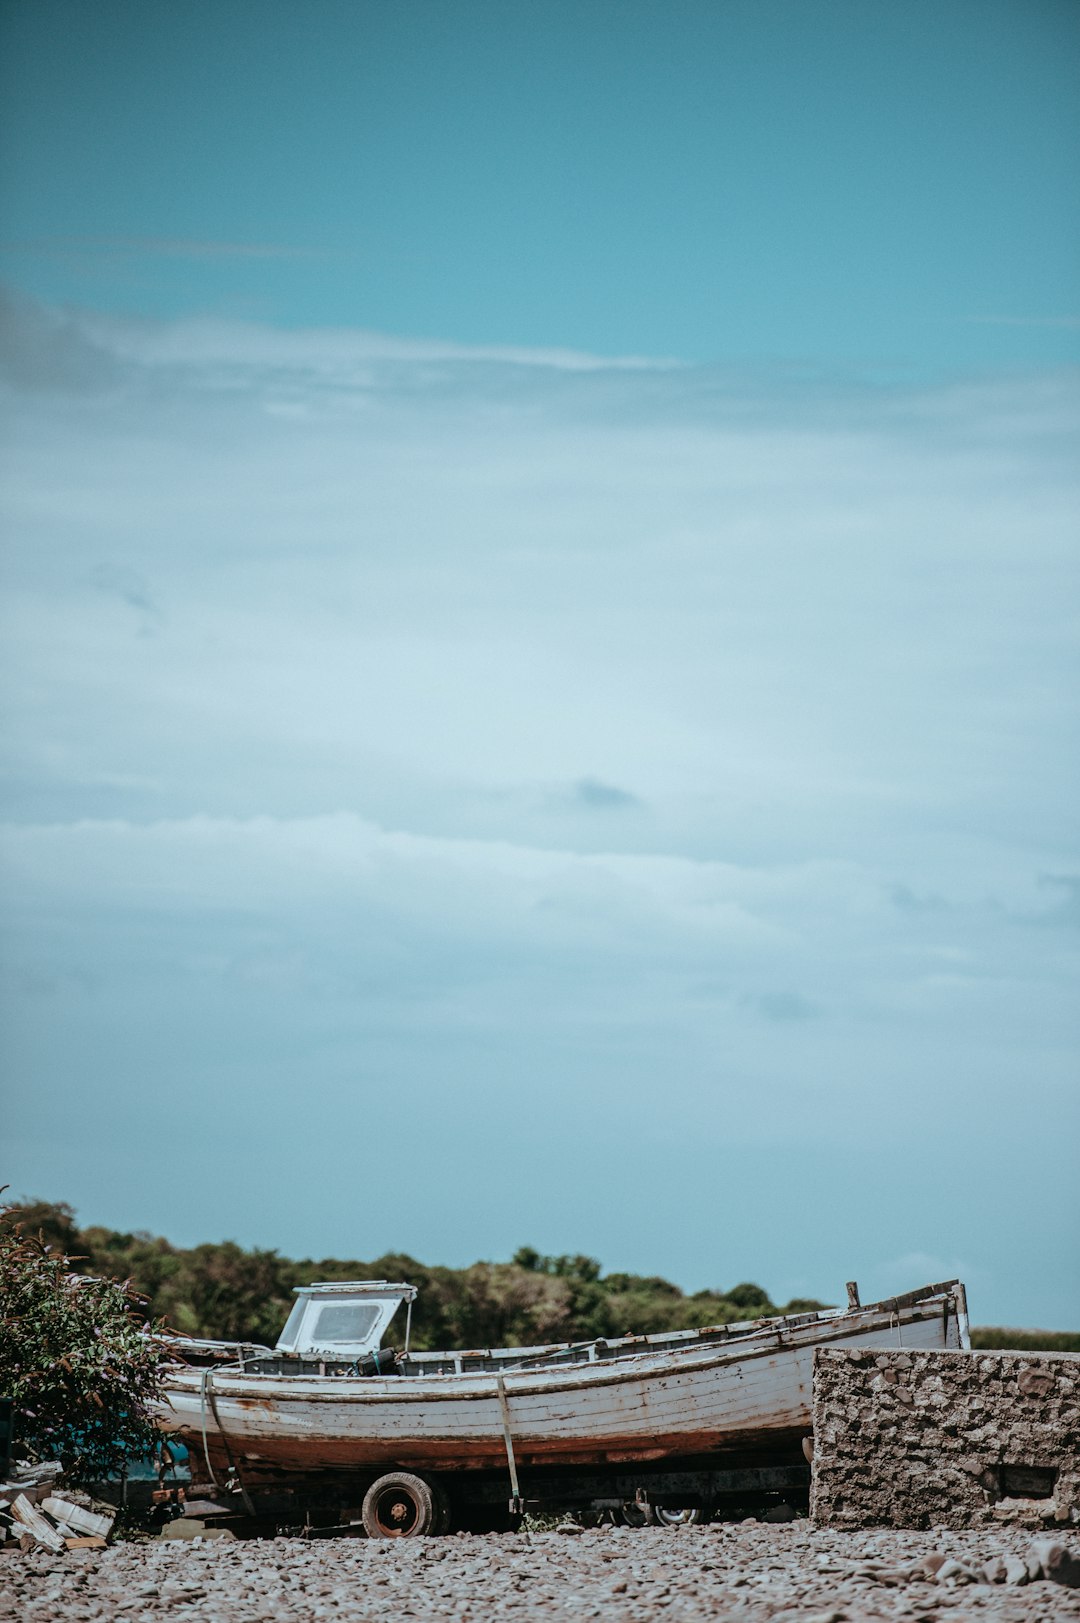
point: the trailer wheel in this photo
(635, 1514)
(399, 1505)
(685, 1516)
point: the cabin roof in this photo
(359, 1287)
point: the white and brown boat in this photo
(328, 1400)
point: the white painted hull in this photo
(664, 1403)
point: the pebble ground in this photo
(744, 1573)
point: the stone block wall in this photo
(945, 1439)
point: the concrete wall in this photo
(945, 1439)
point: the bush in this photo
(76, 1358)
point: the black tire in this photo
(399, 1505)
(635, 1514)
(683, 1516)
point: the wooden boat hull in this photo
(750, 1394)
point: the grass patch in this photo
(992, 1336)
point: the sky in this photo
(538, 642)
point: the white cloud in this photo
(417, 717)
(329, 355)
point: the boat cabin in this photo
(342, 1321)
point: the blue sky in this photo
(841, 181)
(539, 633)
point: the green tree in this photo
(76, 1358)
(752, 1299)
(238, 1295)
(222, 1290)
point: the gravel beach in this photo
(746, 1572)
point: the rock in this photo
(955, 1572)
(1024, 1512)
(931, 1564)
(187, 1528)
(1016, 1571)
(1060, 1564)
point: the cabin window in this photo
(288, 1336)
(343, 1323)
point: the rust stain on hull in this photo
(272, 1460)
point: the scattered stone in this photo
(1016, 1571)
(754, 1573)
(187, 1528)
(955, 1572)
(1058, 1564)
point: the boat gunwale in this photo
(476, 1385)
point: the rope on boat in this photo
(504, 1411)
(203, 1383)
(206, 1395)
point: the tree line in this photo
(227, 1292)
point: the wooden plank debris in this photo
(31, 1521)
(77, 1517)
